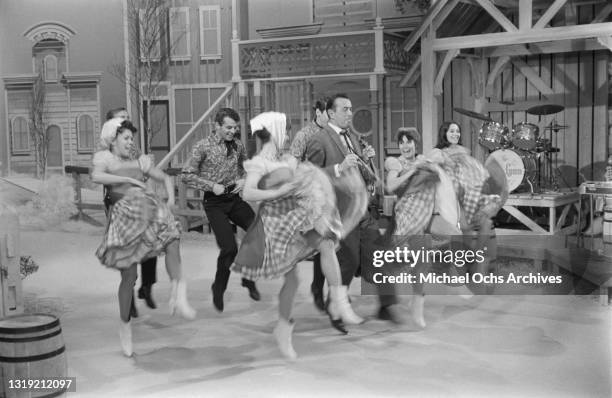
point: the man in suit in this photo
(335, 150)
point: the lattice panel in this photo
(395, 57)
(341, 54)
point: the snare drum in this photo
(493, 135)
(520, 168)
(525, 135)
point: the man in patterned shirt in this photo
(299, 145)
(215, 167)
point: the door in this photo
(159, 129)
(54, 152)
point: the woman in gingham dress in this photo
(414, 180)
(297, 217)
(468, 176)
(140, 225)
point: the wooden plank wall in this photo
(581, 84)
(195, 70)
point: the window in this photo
(210, 32)
(180, 49)
(50, 68)
(85, 133)
(20, 136)
(149, 28)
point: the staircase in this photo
(189, 201)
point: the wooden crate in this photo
(11, 296)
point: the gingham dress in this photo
(140, 225)
(413, 208)
(468, 177)
(286, 221)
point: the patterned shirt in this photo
(209, 164)
(301, 140)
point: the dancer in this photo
(298, 149)
(335, 149)
(470, 179)
(297, 217)
(215, 167)
(412, 211)
(140, 225)
(148, 268)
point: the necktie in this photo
(347, 141)
(231, 146)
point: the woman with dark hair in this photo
(414, 180)
(140, 225)
(297, 217)
(449, 134)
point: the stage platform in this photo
(550, 200)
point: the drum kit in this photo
(524, 153)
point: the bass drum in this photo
(520, 168)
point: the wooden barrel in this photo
(31, 348)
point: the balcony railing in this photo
(347, 52)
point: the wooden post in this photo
(11, 296)
(429, 109)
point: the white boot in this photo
(125, 336)
(178, 300)
(282, 334)
(417, 310)
(339, 304)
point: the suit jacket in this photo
(326, 150)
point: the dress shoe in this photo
(217, 298)
(253, 292)
(317, 296)
(338, 296)
(133, 310)
(390, 313)
(145, 293)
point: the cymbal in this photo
(473, 114)
(545, 109)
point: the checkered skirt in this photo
(294, 225)
(468, 177)
(140, 226)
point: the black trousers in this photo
(220, 210)
(148, 267)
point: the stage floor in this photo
(503, 346)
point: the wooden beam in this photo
(450, 55)
(532, 36)
(532, 76)
(497, 15)
(429, 103)
(603, 14)
(413, 73)
(549, 14)
(553, 47)
(525, 14)
(427, 20)
(605, 41)
(495, 71)
(439, 20)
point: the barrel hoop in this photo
(30, 339)
(32, 329)
(33, 358)
(53, 394)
